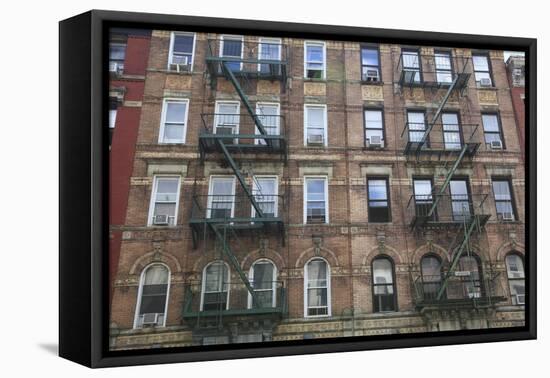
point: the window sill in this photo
(377, 83)
(313, 80)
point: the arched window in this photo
(215, 287)
(152, 296)
(383, 288)
(431, 276)
(263, 277)
(471, 281)
(516, 278)
(317, 288)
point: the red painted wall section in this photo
(137, 54)
(519, 111)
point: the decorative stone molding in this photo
(157, 255)
(177, 169)
(315, 89)
(312, 170)
(138, 181)
(376, 170)
(268, 87)
(317, 251)
(415, 95)
(487, 97)
(372, 93)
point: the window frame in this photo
(470, 199)
(393, 283)
(262, 41)
(378, 67)
(211, 195)
(425, 117)
(273, 283)
(508, 180)
(154, 195)
(325, 123)
(328, 288)
(325, 178)
(388, 200)
(500, 130)
(450, 71)
(140, 292)
(324, 69)
(165, 102)
(259, 104)
(232, 37)
(276, 198)
(510, 280)
(365, 128)
(415, 50)
(173, 35)
(203, 284)
(460, 129)
(237, 115)
(432, 181)
(118, 61)
(434, 282)
(489, 66)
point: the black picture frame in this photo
(83, 228)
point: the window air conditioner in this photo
(372, 75)
(496, 145)
(375, 141)
(520, 299)
(507, 216)
(160, 219)
(485, 82)
(150, 319)
(315, 139)
(182, 65)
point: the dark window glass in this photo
(503, 200)
(378, 199)
(383, 285)
(516, 278)
(370, 65)
(491, 129)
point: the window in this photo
(269, 49)
(451, 131)
(317, 288)
(370, 64)
(315, 125)
(164, 201)
(416, 124)
(263, 276)
(383, 287)
(215, 287)
(174, 121)
(503, 200)
(491, 129)
(316, 203)
(268, 113)
(227, 119)
(411, 66)
(152, 300)
(221, 198)
(182, 47)
(378, 199)
(265, 193)
(431, 276)
(117, 54)
(443, 67)
(374, 128)
(460, 200)
(112, 117)
(423, 198)
(314, 60)
(471, 282)
(482, 71)
(232, 47)
(516, 278)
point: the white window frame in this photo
(306, 297)
(258, 106)
(232, 37)
(203, 283)
(324, 70)
(210, 194)
(325, 120)
(237, 115)
(165, 103)
(255, 187)
(112, 118)
(171, 51)
(140, 290)
(325, 178)
(274, 286)
(154, 195)
(268, 40)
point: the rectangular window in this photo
(451, 131)
(314, 60)
(174, 121)
(268, 113)
(316, 203)
(232, 47)
(423, 197)
(182, 47)
(227, 119)
(374, 128)
(315, 125)
(460, 200)
(443, 67)
(117, 54)
(221, 198)
(370, 64)
(411, 66)
(113, 104)
(164, 201)
(265, 193)
(503, 200)
(482, 70)
(269, 49)
(378, 199)
(492, 131)
(416, 124)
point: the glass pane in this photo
(175, 112)
(232, 47)
(459, 189)
(373, 119)
(152, 304)
(222, 186)
(263, 276)
(167, 189)
(156, 275)
(216, 277)
(314, 53)
(165, 209)
(315, 189)
(431, 269)
(423, 189)
(270, 49)
(450, 120)
(317, 273)
(382, 271)
(173, 132)
(369, 57)
(117, 52)
(502, 190)
(480, 63)
(183, 44)
(504, 207)
(411, 59)
(490, 122)
(317, 297)
(315, 117)
(469, 264)
(377, 190)
(514, 265)
(266, 187)
(442, 61)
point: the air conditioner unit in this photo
(507, 216)
(372, 75)
(182, 65)
(150, 319)
(496, 145)
(116, 67)
(485, 82)
(375, 141)
(160, 219)
(315, 139)
(520, 299)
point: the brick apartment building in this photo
(285, 189)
